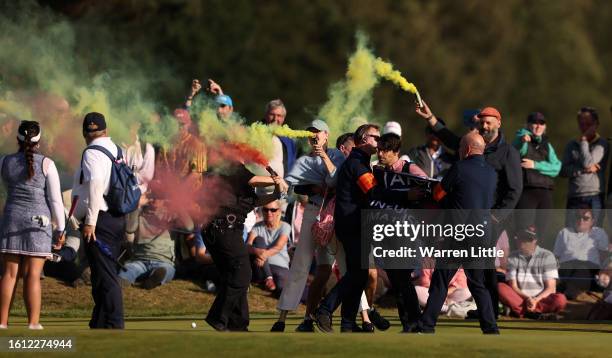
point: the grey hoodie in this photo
(579, 155)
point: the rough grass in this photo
(178, 297)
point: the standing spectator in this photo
(143, 164)
(33, 200)
(314, 175)
(531, 280)
(101, 230)
(584, 163)
(503, 158)
(498, 153)
(581, 250)
(188, 153)
(540, 167)
(285, 149)
(267, 243)
(432, 157)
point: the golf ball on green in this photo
(193, 325)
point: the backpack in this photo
(123, 192)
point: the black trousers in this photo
(408, 307)
(531, 201)
(105, 287)
(407, 300)
(230, 310)
(439, 289)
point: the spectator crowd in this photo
(289, 255)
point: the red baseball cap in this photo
(489, 112)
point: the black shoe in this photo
(217, 326)
(472, 314)
(155, 279)
(409, 328)
(353, 329)
(494, 332)
(323, 321)
(380, 322)
(307, 325)
(533, 315)
(367, 327)
(549, 317)
(278, 326)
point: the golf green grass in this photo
(174, 336)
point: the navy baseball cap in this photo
(94, 122)
(468, 117)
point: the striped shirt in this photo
(531, 272)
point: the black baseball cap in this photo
(94, 122)
(536, 117)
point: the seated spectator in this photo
(69, 262)
(581, 250)
(458, 291)
(604, 281)
(531, 279)
(602, 310)
(153, 258)
(267, 245)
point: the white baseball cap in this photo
(392, 127)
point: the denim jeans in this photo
(141, 269)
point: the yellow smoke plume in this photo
(285, 131)
(385, 70)
(351, 97)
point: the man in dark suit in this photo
(468, 193)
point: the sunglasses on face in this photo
(269, 210)
(374, 136)
(583, 218)
(222, 105)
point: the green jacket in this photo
(550, 167)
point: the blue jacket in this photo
(470, 184)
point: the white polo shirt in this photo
(96, 181)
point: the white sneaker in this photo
(36, 327)
(3, 326)
(210, 286)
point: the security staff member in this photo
(91, 183)
(223, 238)
(356, 187)
(469, 191)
